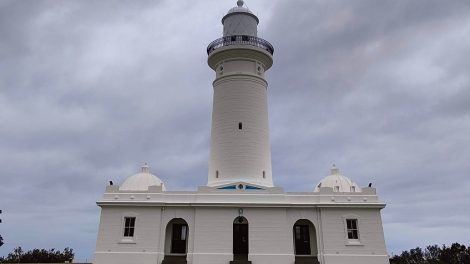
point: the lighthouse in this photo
(240, 216)
(240, 149)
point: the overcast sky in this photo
(90, 90)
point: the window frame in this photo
(129, 226)
(352, 229)
(128, 239)
(352, 241)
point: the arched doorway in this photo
(305, 242)
(240, 239)
(176, 241)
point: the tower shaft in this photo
(240, 148)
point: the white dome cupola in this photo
(141, 181)
(338, 182)
(240, 21)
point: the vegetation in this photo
(1, 241)
(455, 254)
(38, 256)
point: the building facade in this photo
(240, 216)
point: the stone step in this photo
(240, 262)
(306, 260)
(240, 259)
(174, 260)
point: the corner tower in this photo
(240, 148)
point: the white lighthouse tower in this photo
(240, 149)
(240, 217)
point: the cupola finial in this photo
(146, 168)
(240, 3)
(334, 170)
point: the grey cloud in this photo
(90, 90)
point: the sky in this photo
(90, 90)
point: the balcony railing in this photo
(240, 40)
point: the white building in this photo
(240, 216)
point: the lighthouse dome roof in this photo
(141, 181)
(338, 182)
(240, 9)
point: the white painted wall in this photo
(112, 247)
(240, 96)
(370, 248)
(210, 234)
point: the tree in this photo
(1, 241)
(16, 254)
(432, 254)
(455, 254)
(39, 256)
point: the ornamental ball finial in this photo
(240, 3)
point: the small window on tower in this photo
(129, 226)
(217, 174)
(240, 126)
(351, 228)
(264, 175)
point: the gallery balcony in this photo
(240, 40)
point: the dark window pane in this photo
(129, 224)
(297, 232)
(351, 225)
(355, 236)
